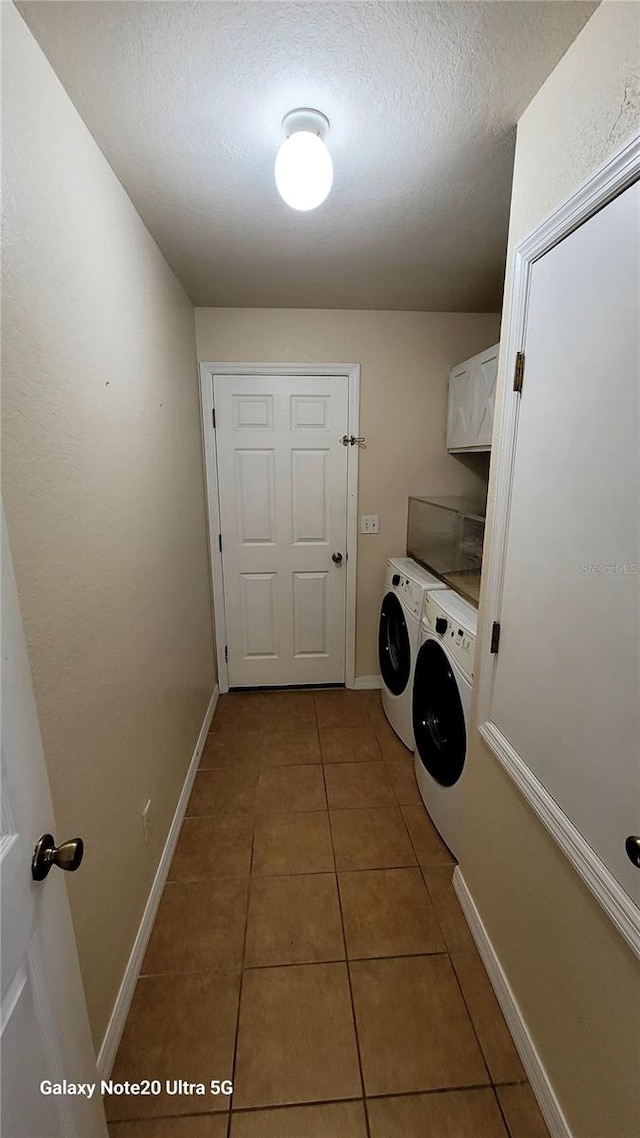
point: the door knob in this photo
(67, 856)
(336, 558)
(632, 846)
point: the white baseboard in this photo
(531, 1061)
(367, 683)
(115, 1027)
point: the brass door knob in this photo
(67, 856)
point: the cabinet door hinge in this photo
(226, 653)
(495, 636)
(220, 542)
(518, 373)
(213, 416)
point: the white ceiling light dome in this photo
(304, 170)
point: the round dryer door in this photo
(438, 717)
(394, 649)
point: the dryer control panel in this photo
(446, 622)
(410, 591)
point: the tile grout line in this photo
(348, 972)
(435, 907)
(305, 963)
(364, 1099)
(227, 968)
(462, 1088)
(333, 852)
(273, 1107)
(494, 1082)
(471, 1019)
(302, 873)
(242, 971)
(499, 1105)
(412, 843)
(353, 1009)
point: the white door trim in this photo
(611, 179)
(352, 375)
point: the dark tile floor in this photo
(309, 947)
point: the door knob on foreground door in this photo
(67, 856)
(632, 846)
(336, 558)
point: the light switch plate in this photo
(369, 523)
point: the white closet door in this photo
(567, 681)
(282, 475)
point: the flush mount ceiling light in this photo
(304, 170)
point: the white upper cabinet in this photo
(472, 390)
(459, 420)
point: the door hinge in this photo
(518, 373)
(213, 416)
(495, 636)
(220, 542)
(226, 653)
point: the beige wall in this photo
(577, 983)
(405, 358)
(103, 491)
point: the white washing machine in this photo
(405, 587)
(442, 688)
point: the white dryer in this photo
(442, 688)
(405, 587)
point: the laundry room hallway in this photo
(309, 948)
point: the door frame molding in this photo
(609, 180)
(351, 372)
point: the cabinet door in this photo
(483, 384)
(460, 408)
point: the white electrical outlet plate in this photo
(146, 821)
(369, 523)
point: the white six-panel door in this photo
(282, 484)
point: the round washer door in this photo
(394, 649)
(438, 716)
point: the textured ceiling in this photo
(186, 101)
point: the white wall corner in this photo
(367, 683)
(115, 1027)
(531, 1060)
